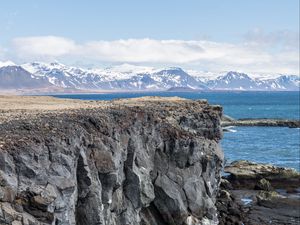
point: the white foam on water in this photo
(229, 129)
(247, 201)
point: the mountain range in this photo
(57, 76)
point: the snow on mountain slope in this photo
(130, 77)
(241, 81)
(127, 69)
(176, 77)
(65, 76)
(233, 81)
(283, 82)
(7, 63)
(204, 76)
(121, 72)
(120, 77)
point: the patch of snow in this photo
(7, 63)
(52, 80)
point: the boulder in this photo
(246, 174)
(264, 185)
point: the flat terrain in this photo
(14, 107)
(41, 103)
(17, 107)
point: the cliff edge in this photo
(149, 161)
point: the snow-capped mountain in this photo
(7, 63)
(176, 77)
(204, 76)
(130, 77)
(125, 77)
(15, 77)
(241, 81)
(235, 81)
(283, 82)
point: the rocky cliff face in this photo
(145, 161)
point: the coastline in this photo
(132, 161)
(45, 92)
(262, 122)
(259, 194)
(27, 113)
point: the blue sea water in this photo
(276, 145)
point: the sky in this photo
(257, 36)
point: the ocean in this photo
(276, 145)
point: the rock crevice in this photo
(149, 161)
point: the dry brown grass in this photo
(19, 107)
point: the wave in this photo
(229, 129)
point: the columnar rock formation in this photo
(150, 161)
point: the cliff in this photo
(150, 161)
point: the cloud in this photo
(255, 54)
(143, 51)
(282, 39)
(45, 46)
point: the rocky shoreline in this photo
(263, 123)
(262, 194)
(260, 122)
(144, 161)
(228, 121)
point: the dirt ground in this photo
(19, 107)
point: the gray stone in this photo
(147, 161)
(264, 185)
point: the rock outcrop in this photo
(246, 174)
(259, 194)
(149, 161)
(260, 122)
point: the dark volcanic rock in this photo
(246, 174)
(263, 184)
(148, 161)
(261, 122)
(248, 197)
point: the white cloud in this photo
(250, 56)
(46, 46)
(143, 50)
